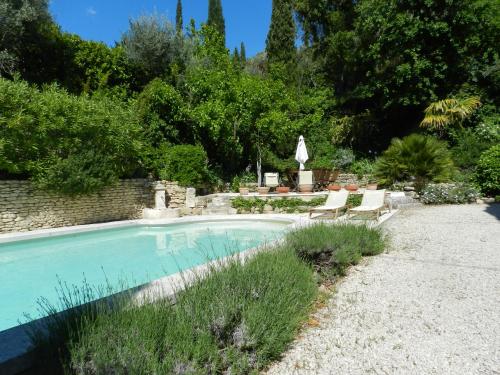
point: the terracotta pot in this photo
(244, 191)
(306, 188)
(282, 189)
(351, 187)
(334, 187)
(371, 187)
(263, 190)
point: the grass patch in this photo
(333, 248)
(236, 320)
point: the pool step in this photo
(219, 206)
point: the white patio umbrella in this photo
(301, 153)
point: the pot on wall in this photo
(371, 186)
(244, 191)
(334, 187)
(282, 189)
(351, 187)
(307, 188)
(263, 190)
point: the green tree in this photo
(216, 18)
(22, 26)
(394, 57)
(280, 42)
(178, 17)
(150, 44)
(236, 58)
(243, 55)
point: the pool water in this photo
(31, 269)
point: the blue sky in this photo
(106, 20)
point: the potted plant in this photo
(244, 190)
(351, 187)
(306, 188)
(263, 190)
(282, 189)
(334, 187)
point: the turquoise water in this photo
(33, 268)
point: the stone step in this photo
(405, 202)
(219, 211)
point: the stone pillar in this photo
(159, 190)
(190, 198)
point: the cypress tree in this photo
(280, 42)
(243, 55)
(178, 17)
(236, 58)
(216, 17)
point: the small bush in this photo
(362, 167)
(416, 157)
(236, 320)
(332, 248)
(458, 193)
(186, 164)
(488, 171)
(343, 158)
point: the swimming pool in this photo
(30, 269)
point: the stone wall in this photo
(349, 178)
(24, 207)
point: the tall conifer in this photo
(178, 17)
(280, 43)
(243, 55)
(216, 17)
(236, 58)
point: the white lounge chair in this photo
(336, 200)
(306, 181)
(373, 201)
(271, 179)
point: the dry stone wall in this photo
(349, 178)
(23, 207)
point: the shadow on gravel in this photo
(494, 209)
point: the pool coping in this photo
(16, 354)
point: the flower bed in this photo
(289, 205)
(458, 193)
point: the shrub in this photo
(243, 180)
(236, 320)
(488, 171)
(332, 248)
(63, 142)
(289, 204)
(468, 147)
(449, 193)
(362, 167)
(343, 158)
(186, 164)
(418, 157)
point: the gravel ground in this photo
(430, 305)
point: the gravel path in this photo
(430, 305)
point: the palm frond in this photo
(449, 111)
